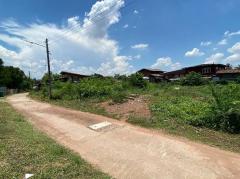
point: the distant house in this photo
(155, 78)
(206, 70)
(175, 75)
(229, 74)
(153, 75)
(73, 77)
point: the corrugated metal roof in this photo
(153, 70)
(229, 71)
(205, 65)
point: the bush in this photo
(97, 87)
(119, 97)
(225, 110)
(87, 88)
(222, 82)
(192, 79)
(137, 80)
(238, 80)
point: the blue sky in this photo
(117, 36)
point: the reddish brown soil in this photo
(137, 107)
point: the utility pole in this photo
(49, 72)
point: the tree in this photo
(54, 77)
(192, 79)
(12, 77)
(137, 80)
(229, 66)
(1, 63)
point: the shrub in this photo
(97, 87)
(119, 97)
(137, 80)
(222, 82)
(225, 111)
(238, 80)
(192, 79)
(120, 77)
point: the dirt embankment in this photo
(137, 106)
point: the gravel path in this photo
(125, 151)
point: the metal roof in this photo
(229, 71)
(153, 70)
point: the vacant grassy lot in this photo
(209, 113)
(24, 149)
(173, 106)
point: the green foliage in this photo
(87, 88)
(182, 108)
(120, 77)
(192, 79)
(238, 80)
(13, 78)
(216, 108)
(222, 82)
(95, 87)
(54, 77)
(225, 110)
(119, 97)
(136, 80)
(1, 62)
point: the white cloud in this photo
(230, 34)
(135, 12)
(141, 46)
(206, 43)
(215, 58)
(194, 53)
(137, 57)
(125, 26)
(86, 49)
(223, 42)
(235, 58)
(235, 48)
(165, 63)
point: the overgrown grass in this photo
(90, 105)
(199, 113)
(24, 149)
(174, 107)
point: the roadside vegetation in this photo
(24, 149)
(13, 78)
(195, 108)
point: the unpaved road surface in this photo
(125, 151)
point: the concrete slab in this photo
(100, 125)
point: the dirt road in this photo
(125, 151)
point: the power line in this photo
(99, 20)
(71, 30)
(33, 43)
(92, 20)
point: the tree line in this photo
(13, 78)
